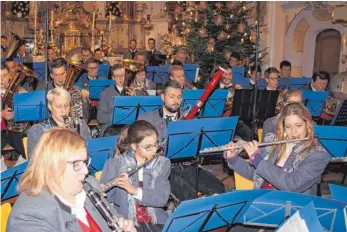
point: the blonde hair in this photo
(301, 111)
(58, 92)
(48, 162)
(175, 68)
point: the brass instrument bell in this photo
(132, 65)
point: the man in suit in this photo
(252, 78)
(172, 100)
(99, 56)
(86, 53)
(151, 52)
(286, 69)
(320, 81)
(3, 45)
(132, 50)
(271, 77)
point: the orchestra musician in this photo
(234, 59)
(132, 51)
(141, 82)
(176, 72)
(99, 56)
(142, 196)
(320, 82)
(252, 79)
(152, 51)
(290, 96)
(59, 103)
(294, 167)
(52, 195)
(286, 69)
(170, 111)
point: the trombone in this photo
(227, 148)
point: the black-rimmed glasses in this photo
(78, 164)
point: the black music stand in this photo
(244, 100)
(340, 118)
(9, 181)
(185, 139)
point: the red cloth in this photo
(267, 185)
(93, 227)
(94, 102)
(142, 214)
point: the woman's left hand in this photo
(123, 182)
(251, 148)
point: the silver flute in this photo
(227, 148)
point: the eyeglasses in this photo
(78, 164)
(149, 147)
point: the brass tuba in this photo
(129, 87)
(13, 46)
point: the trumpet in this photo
(227, 148)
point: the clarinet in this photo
(103, 209)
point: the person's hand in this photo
(7, 114)
(126, 225)
(232, 152)
(123, 182)
(251, 148)
(85, 93)
(237, 86)
(130, 91)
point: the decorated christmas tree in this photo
(212, 31)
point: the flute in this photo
(108, 186)
(227, 148)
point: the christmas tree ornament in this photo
(218, 20)
(202, 32)
(219, 5)
(241, 27)
(222, 35)
(203, 5)
(227, 27)
(231, 5)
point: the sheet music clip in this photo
(30, 106)
(314, 101)
(100, 149)
(213, 212)
(10, 179)
(213, 107)
(126, 109)
(157, 74)
(97, 86)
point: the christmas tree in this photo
(212, 31)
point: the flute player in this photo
(294, 167)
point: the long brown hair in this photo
(300, 110)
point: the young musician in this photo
(294, 167)
(286, 68)
(271, 77)
(52, 197)
(176, 73)
(59, 102)
(320, 82)
(142, 196)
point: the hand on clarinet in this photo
(123, 182)
(126, 225)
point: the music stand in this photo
(283, 83)
(314, 101)
(213, 212)
(97, 86)
(10, 179)
(272, 208)
(126, 109)
(30, 106)
(340, 118)
(338, 193)
(186, 138)
(298, 82)
(104, 70)
(239, 77)
(244, 100)
(213, 107)
(18, 60)
(40, 69)
(100, 149)
(334, 140)
(191, 72)
(261, 83)
(157, 74)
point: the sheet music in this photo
(294, 224)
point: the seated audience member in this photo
(176, 72)
(234, 59)
(170, 111)
(252, 78)
(290, 96)
(294, 167)
(320, 81)
(8, 135)
(55, 187)
(99, 56)
(141, 197)
(286, 69)
(271, 78)
(338, 85)
(59, 103)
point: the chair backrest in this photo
(5, 213)
(98, 175)
(242, 183)
(25, 144)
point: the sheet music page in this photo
(294, 224)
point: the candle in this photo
(93, 23)
(35, 16)
(52, 18)
(110, 22)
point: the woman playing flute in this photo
(142, 196)
(294, 167)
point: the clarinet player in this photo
(52, 197)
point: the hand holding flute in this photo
(250, 147)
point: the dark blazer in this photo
(269, 125)
(105, 105)
(156, 185)
(303, 180)
(47, 213)
(127, 54)
(148, 55)
(306, 87)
